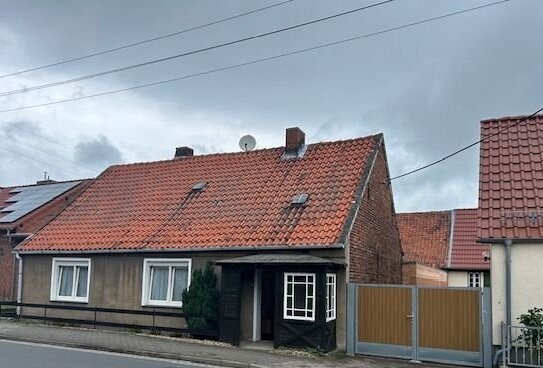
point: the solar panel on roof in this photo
(27, 199)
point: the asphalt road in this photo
(28, 355)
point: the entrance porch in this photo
(287, 299)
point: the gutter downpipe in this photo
(19, 282)
(508, 313)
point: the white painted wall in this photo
(457, 279)
(526, 287)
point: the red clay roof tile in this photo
(465, 252)
(246, 202)
(511, 179)
(425, 237)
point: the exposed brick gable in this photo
(375, 254)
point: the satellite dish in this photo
(247, 143)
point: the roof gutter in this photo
(190, 249)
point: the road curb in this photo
(151, 354)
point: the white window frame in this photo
(146, 281)
(286, 310)
(480, 276)
(331, 300)
(55, 284)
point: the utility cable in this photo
(193, 52)
(460, 150)
(138, 43)
(257, 61)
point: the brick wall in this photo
(6, 268)
(375, 254)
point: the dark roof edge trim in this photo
(514, 240)
(361, 189)
(180, 250)
(467, 269)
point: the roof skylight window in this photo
(200, 186)
(300, 199)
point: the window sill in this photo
(162, 305)
(300, 319)
(70, 300)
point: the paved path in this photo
(180, 349)
(30, 355)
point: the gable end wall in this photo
(375, 254)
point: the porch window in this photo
(164, 281)
(70, 280)
(299, 296)
(330, 297)
(475, 279)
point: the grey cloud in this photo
(425, 88)
(97, 152)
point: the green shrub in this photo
(534, 318)
(201, 300)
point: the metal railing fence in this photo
(523, 346)
(95, 319)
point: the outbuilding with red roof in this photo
(440, 248)
(286, 228)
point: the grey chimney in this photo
(184, 151)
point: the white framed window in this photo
(299, 296)
(70, 280)
(164, 280)
(475, 279)
(330, 297)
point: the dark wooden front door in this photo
(230, 305)
(267, 305)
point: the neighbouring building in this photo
(510, 214)
(468, 262)
(440, 249)
(287, 228)
(24, 210)
(425, 240)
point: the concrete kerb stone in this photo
(151, 354)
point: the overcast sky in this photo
(426, 88)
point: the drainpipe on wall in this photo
(508, 298)
(19, 281)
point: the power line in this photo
(46, 138)
(193, 52)
(257, 61)
(48, 164)
(138, 43)
(460, 150)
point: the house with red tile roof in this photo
(286, 228)
(24, 210)
(440, 249)
(510, 216)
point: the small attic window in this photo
(198, 187)
(299, 199)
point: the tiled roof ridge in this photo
(424, 212)
(260, 150)
(36, 184)
(514, 117)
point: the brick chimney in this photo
(184, 151)
(295, 140)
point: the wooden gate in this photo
(419, 323)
